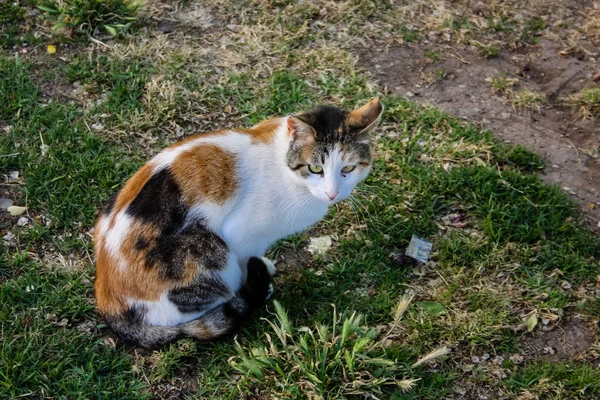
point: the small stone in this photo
(409, 94)
(400, 259)
(485, 357)
(517, 358)
(166, 26)
(23, 221)
(8, 237)
(97, 126)
(505, 115)
(63, 322)
(13, 174)
(5, 203)
(565, 285)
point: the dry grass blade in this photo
(407, 385)
(442, 351)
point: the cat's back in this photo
(197, 180)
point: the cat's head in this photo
(330, 148)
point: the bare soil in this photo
(568, 341)
(569, 145)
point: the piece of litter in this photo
(419, 249)
(16, 210)
(51, 49)
(13, 174)
(5, 203)
(319, 245)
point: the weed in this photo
(329, 361)
(489, 50)
(526, 100)
(91, 16)
(586, 103)
(502, 83)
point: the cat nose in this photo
(331, 196)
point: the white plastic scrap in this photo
(419, 249)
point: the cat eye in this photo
(348, 168)
(315, 169)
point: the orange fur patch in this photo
(263, 132)
(138, 280)
(132, 188)
(365, 115)
(206, 172)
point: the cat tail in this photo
(213, 324)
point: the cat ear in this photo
(300, 130)
(366, 117)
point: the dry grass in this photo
(586, 103)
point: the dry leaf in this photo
(532, 322)
(16, 210)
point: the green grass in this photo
(517, 243)
(91, 16)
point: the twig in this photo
(100, 43)
(576, 149)
(10, 155)
(459, 58)
(552, 96)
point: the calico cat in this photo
(180, 248)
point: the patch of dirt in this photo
(568, 145)
(176, 389)
(568, 341)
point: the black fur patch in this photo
(141, 244)
(109, 205)
(200, 295)
(159, 202)
(195, 241)
(330, 125)
(256, 288)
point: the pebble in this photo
(8, 237)
(13, 174)
(23, 221)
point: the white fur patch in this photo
(164, 313)
(232, 274)
(117, 234)
(270, 265)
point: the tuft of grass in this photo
(488, 50)
(547, 380)
(586, 103)
(334, 360)
(432, 77)
(526, 100)
(502, 83)
(91, 17)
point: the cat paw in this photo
(270, 291)
(270, 266)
